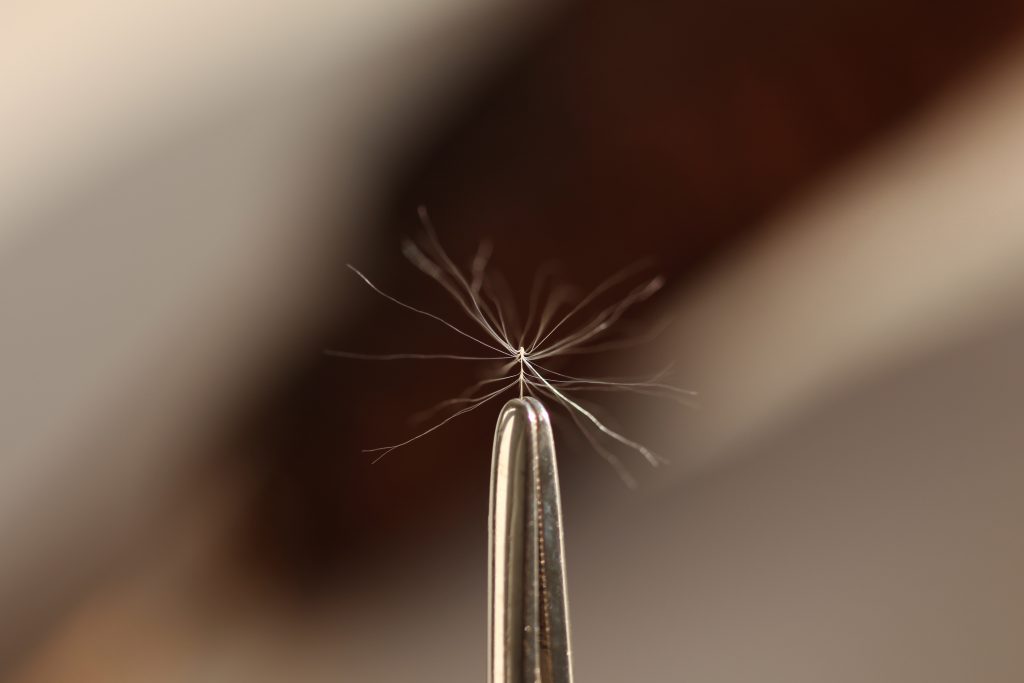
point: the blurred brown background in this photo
(622, 132)
(611, 132)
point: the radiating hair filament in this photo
(521, 347)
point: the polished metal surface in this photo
(528, 635)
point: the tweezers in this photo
(528, 618)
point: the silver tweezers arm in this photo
(528, 634)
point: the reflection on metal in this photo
(528, 638)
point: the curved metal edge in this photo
(556, 652)
(528, 621)
(505, 548)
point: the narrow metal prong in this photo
(528, 634)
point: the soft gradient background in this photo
(832, 192)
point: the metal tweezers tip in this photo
(528, 619)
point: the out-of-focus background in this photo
(832, 190)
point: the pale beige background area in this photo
(154, 153)
(850, 507)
